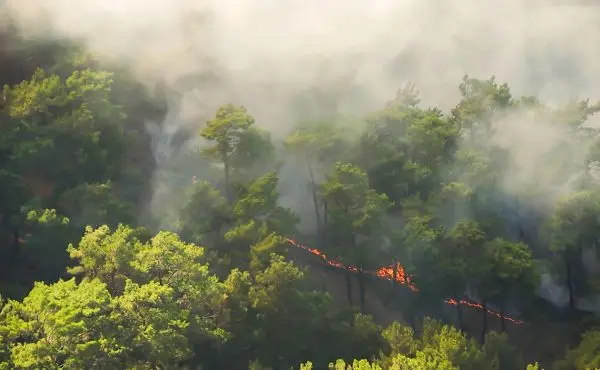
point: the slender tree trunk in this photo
(395, 269)
(570, 284)
(459, 312)
(394, 284)
(218, 236)
(227, 185)
(362, 288)
(113, 283)
(460, 316)
(16, 242)
(485, 320)
(313, 189)
(522, 237)
(325, 219)
(502, 320)
(348, 287)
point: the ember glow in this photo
(388, 273)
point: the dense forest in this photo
(424, 239)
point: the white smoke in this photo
(265, 54)
(292, 45)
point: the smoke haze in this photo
(286, 60)
(274, 55)
(278, 48)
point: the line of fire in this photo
(388, 272)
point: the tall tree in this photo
(260, 223)
(356, 227)
(573, 227)
(459, 260)
(204, 215)
(508, 271)
(236, 143)
(54, 115)
(482, 101)
(225, 131)
(316, 143)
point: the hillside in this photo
(150, 188)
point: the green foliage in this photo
(73, 326)
(400, 339)
(438, 347)
(499, 353)
(575, 224)
(236, 143)
(258, 203)
(95, 205)
(48, 236)
(459, 257)
(12, 196)
(586, 355)
(260, 222)
(226, 130)
(510, 269)
(572, 228)
(51, 328)
(156, 325)
(394, 152)
(204, 214)
(436, 191)
(121, 257)
(105, 255)
(51, 115)
(481, 102)
(317, 142)
(356, 365)
(448, 343)
(354, 210)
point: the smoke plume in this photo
(277, 49)
(285, 59)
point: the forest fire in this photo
(387, 273)
(480, 307)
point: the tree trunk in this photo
(459, 312)
(485, 321)
(227, 185)
(16, 242)
(218, 236)
(502, 320)
(313, 189)
(394, 283)
(325, 218)
(362, 288)
(395, 276)
(413, 314)
(570, 284)
(348, 287)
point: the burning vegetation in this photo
(396, 273)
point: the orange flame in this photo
(480, 307)
(387, 273)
